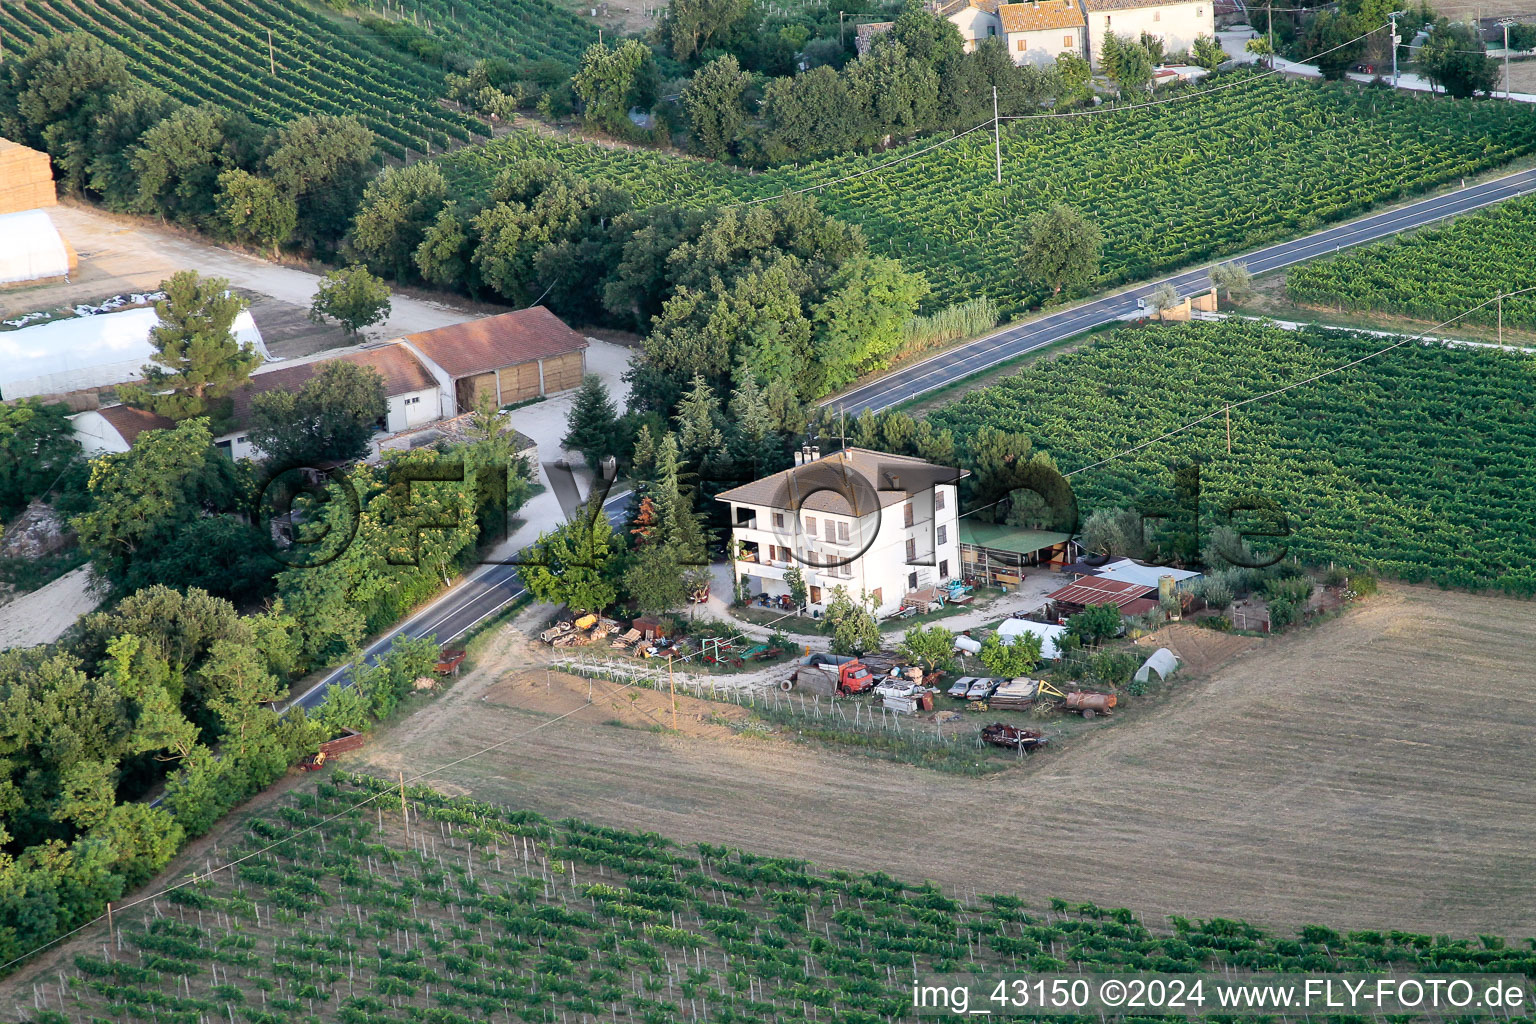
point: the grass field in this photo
(1417, 463)
(1169, 186)
(1435, 274)
(338, 909)
(218, 51)
(1371, 772)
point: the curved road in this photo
(962, 361)
(479, 595)
(490, 588)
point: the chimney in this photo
(815, 453)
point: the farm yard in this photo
(1434, 274)
(1344, 775)
(1168, 186)
(1417, 463)
(216, 51)
(340, 909)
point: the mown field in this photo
(1435, 274)
(1420, 464)
(480, 913)
(1169, 186)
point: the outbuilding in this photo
(511, 357)
(996, 555)
(1130, 598)
(114, 428)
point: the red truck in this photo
(830, 675)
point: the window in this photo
(911, 550)
(1157, 15)
(1199, 12)
(1021, 46)
(943, 535)
(938, 500)
(810, 526)
(906, 514)
(243, 438)
(944, 569)
(1066, 41)
(842, 533)
(991, 30)
(1106, 21)
(778, 520)
(815, 595)
(831, 531)
(912, 581)
(413, 401)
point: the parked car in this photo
(961, 687)
(981, 689)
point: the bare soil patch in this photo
(630, 707)
(1371, 772)
(1200, 651)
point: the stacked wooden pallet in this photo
(26, 179)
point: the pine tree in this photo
(753, 440)
(593, 425)
(677, 524)
(197, 360)
(699, 438)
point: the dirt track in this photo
(1258, 794)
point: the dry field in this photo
(1374, 771)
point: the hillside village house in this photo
(1176, 24)
(512, 358)
(1039, 31)
(976, 19)
(874, 523)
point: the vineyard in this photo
(1168, 186)
(478, 913)
(1434, 274)
(216, 51)
(517, 30)
(1420, 463)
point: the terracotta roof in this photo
(1096, 590)
(1039, 17)
(401, 370)
(1126, 5)
(953, 7)
(872, 479)
(493, 342)
(130, 422)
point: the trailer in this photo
(349, 740)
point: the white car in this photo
(897, 688)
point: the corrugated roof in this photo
(1041, 17)
(493, 342)
(874, 479)
(1009, 538)
(401, 370)
(1128, 571)
(1096, 590)
(130, 422)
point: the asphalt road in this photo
(480, 594)
(986, 352)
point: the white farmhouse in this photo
(412, 393)
(1038, 31)
(977, 20)
(1175, 23)
(876, 524)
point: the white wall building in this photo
(871, 522)
(1176, 24)
(1038, 31)
(114, 428)
(413, 395)
(977, 20)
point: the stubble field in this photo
(1371, 772)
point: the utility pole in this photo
(1229, 428)
(1505, 24)
(1270, 20)
(404, 814)
(997, 136)
(1395, 40)
(271, 54)
(672, 685)
(840, 43)
(1501, 317)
